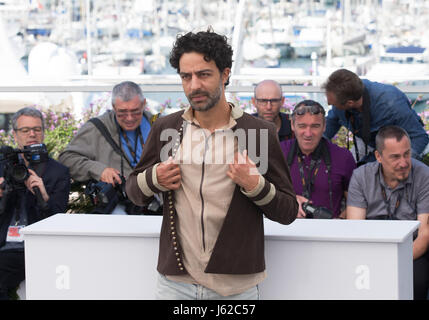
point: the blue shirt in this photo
(388, 106)
(132, 136)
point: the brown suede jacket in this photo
(239, 248)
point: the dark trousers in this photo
(421, 277)
(12, 271)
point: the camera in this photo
(313, 212)
(16, 172)
(105, 196)
(153, 208)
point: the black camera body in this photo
(105, 196)
(313, 212)
(15, 170)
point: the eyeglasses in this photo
(125, 113)
(264, 102)
(313, 109)
(26, 130)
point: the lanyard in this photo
(132, 150)
(322, 151)
(307, 184)
(387, 203)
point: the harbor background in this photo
(47, 45)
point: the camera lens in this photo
(19, 173)
(104, 199)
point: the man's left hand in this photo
(244, 172)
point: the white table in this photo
(83, 256)
(339, 259)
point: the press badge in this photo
(14, 234)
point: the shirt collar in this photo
(284, 130)
(401, 184)
(236, 113)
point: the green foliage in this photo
(61, 126)
(6, 139)
(426, 159)
(343, 138)
(78, 201)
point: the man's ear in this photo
(292, 125)
(253, 101)
(377, 155)
(225, 75)
(350, 103)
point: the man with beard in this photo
(363, 107)
(395, 188)
(212, 237)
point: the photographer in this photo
(320, 170)
(107, 148)
(20, 204)
(395, 187)
(363, 107)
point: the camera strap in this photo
(366, 124)
(103, 130)
(138, 137)
(307, 183)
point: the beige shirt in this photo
(203, 200)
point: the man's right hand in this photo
(301, 200)
(168, 174)
(111, 175)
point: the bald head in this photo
(268, 98)
(267, 85)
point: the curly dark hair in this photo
(212, 45)
(345, 85)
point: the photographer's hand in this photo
(35, 181)
(301, 200)
(111, 175)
